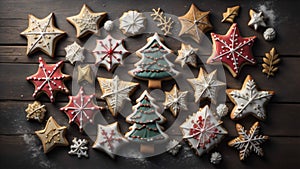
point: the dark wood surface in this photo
(20, 148)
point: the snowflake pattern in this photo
(249, 100)
(232, 50)
(115, 92)
(164, 22)
(132, 23)
(248, 141)
(202, 130)
(175, 100)
(109, 139)
(81, 109)
(187, 55)
(79, 148)
(109, 52)
(49, 79)
(74, 53)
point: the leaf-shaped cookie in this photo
(270, 62)
(230, 14)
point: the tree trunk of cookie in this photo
(146, 148)
(154, 84)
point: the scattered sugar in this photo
(269, 13)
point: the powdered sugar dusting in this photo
(269, 13)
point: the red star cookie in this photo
(232, 50)
(49, 79)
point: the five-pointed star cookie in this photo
(109, 139)
(42, 35)
(81, 109)
(249, 100)
(232, 50)
(86, 21)
(187, 55)
(74, 53)
(52, 135)
(194, 23)
(115, 92)
(248, 141)
(49, 79)
(203, 130)
(85, 73)
(175, 100)
(206, 85)
(257, 19)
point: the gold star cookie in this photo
(42, 35)
(86, 21)
(194, 23)
(85, 73)
(52, 135)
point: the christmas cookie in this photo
(248, 100)
(154, 66)
(79, 148)
(115, 92)
(49, 79)
(36, 111)
(215, 158)
(132, 23)
(42, 35)
(232, 50)
(269, 34)
(109, 52)
(270, 63)
(206, 86)
(146, 119)
(230, 14)
(187, 55)
(194, 23)
(74, 53)
(203, 130)
(175, 100)
(85, 73)
(164, 22)
(86, 21)
(81, 109)
(257, 19)
(108, 25)
(248, 141)
(109, 139)
(52, 135)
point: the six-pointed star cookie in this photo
(194, 23)
(52, 135)
(86, 21)
(175, 100)
(257, 19)
(115, 92)
(49, 79)
(249, 100)
(85, 73)
(206, 85)
(74, 53)
(187, 55)
(42, 35)
(109, 139)
(248, 141)
(232, 50)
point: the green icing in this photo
(146, 132)
(153, 75)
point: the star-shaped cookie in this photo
(85, 74)
(248, 100)
(42, 35)
(187, 55)
(175, 100)
(109, 139)
(49, 79)
(248, 141)
(194, 23)
(257, 19)
(86, 21)
(74, 53)
(206, 85)
(233, 50)
(52, 135)
(115, 92)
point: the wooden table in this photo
(20, 148)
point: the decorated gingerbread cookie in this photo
(36, 111)
(154, 66)
(187, 55)
(203, 130)
(248, 100)
(109, 52)
(115, 92)
(81, 109)
(52, 135)
(49, 79)
(232, 50)
(194, 23)
(42, 35)
(132, 23)
(86, 21)
(175, 100)
(257, 19)
(74, 53)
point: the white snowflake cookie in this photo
(132, 23)
(74, 53)
(79, 148)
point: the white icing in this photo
(215, 158)
(257, 19)
(132, 23)
(74, 53)
(164, 22)
(108, 25)
(187, 55)
(79, 148)
(269, 34)
(175, 100)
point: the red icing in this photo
(232, 49)
(48, 79)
